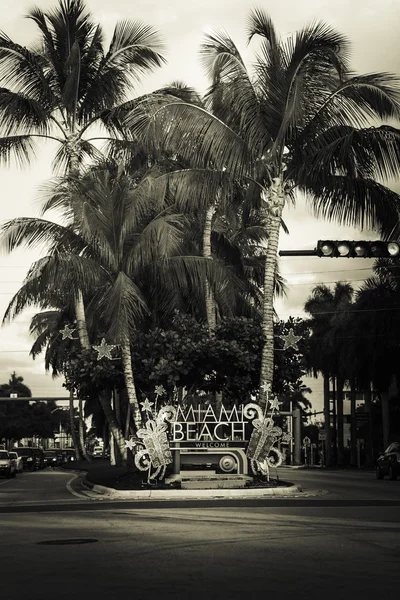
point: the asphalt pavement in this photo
(341, 544)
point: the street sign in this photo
(322, 435)
(306, 441)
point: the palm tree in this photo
(66, 87)
(327, 309)
(374, 330)
(302, 121)
(126, 249)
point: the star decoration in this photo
(130, 444)
(67, 332)
(159, 390)
(266, 387)
(275, 404)
(104, 350)
(290, 340)
(146, 405)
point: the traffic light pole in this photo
(298, 253)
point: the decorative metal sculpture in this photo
(67, 332)
(154, 451)
(104, 350)
(290, 340)
(261, 451)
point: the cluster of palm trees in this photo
(181, 206)
(355, 345)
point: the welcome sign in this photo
(206, 428)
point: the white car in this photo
(19, 463)
(8, 467)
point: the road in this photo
(338, 545)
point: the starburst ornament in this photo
(290, 340)
(104, 350)
(159, 390)
(266, 388)
(146, 405)
(130, 444)
(67, 332)
(275, 404)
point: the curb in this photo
(175, 494)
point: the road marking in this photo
(69, 487)
(6, 481)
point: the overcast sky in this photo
(373, 29)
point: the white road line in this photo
(5, 481)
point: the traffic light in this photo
(356, 249)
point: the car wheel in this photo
(8, 474)
(379, 474)
(392, 473)
(14, 473)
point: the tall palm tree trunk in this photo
(340, 419)
(353, 425)
(369, 445)
(327, 418)
(130, 382)
(275, 204)
(113, 425)
(82, 432)
(209, 299)
(75, 441)
(81, 320)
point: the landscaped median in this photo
(179, 494)
(119, 483)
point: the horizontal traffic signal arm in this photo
(349, 249)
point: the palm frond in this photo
(20, 113)
(259, 23)
(373, 152)
(135, 47)
(356, 202)
(31, 233)
(167, 124)
(315, 60)
(121, 304)
(232, 96)
(190, 189)
(21, 148)
(24, 72)
(158, 240)
(72, 69)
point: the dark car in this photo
(68, 455)
(33, 458)
(50, 458)
(389, 462)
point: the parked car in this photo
(19, 463)
(50, 458)
(33, 458)
(389, 462)
(68, 455)
(7, 464)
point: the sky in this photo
(372, 28)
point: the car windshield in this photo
(50, 453)
(13, 455)
(3, 455)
